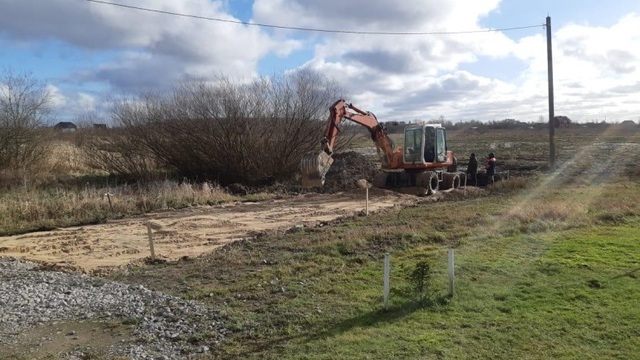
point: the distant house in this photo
(65, 126)
(628, 123)
(99, 126)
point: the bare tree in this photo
(252, 132)
(126, 149)
(24, 105)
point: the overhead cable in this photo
(296, 28)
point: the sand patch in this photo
(188, 232)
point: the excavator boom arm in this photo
(341, 110)
(315, 166)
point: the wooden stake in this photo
(110, 204)
(466, 176)
(153, 253)
(366, 209)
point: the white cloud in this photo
(595, 72)
(78, 103)
(56, 98)
(156, 48)
(596, 69)
(87, 102)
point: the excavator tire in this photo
(429, 181)
(380, 180)
(450, 180)
(421, 184)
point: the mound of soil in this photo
(348, 167)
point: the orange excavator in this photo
(422, 167)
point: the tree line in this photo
(252, 133)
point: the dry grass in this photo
(29, 208)
(56, 194)
(64, 160)
(67, 159)
(543, 215)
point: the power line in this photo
(312, 29)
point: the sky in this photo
(472, 59)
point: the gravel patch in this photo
(166, 327)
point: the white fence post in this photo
(451, 272)
(387, 271)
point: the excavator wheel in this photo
(380, 180)
(450, 181)
(428, 180)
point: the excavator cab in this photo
(424, 144)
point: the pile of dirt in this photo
(349, 167)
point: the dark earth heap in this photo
(348, 167)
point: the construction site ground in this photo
(188, 232)
(195, 231)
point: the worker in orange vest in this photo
(491, 168)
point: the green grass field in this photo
(546, 267)
(539, 275)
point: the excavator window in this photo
(413, 145)
(441, 146)
(429, 144)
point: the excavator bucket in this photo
(314, 167)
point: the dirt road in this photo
(187, 232)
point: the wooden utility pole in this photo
(552, 141)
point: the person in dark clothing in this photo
(429, 146)
(491, 167)
(472, 170)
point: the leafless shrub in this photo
(228, 132)
(112, 151)
(24, 104)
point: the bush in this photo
(420, 280)
(252, 134)
(113, 151)
(24, 104)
